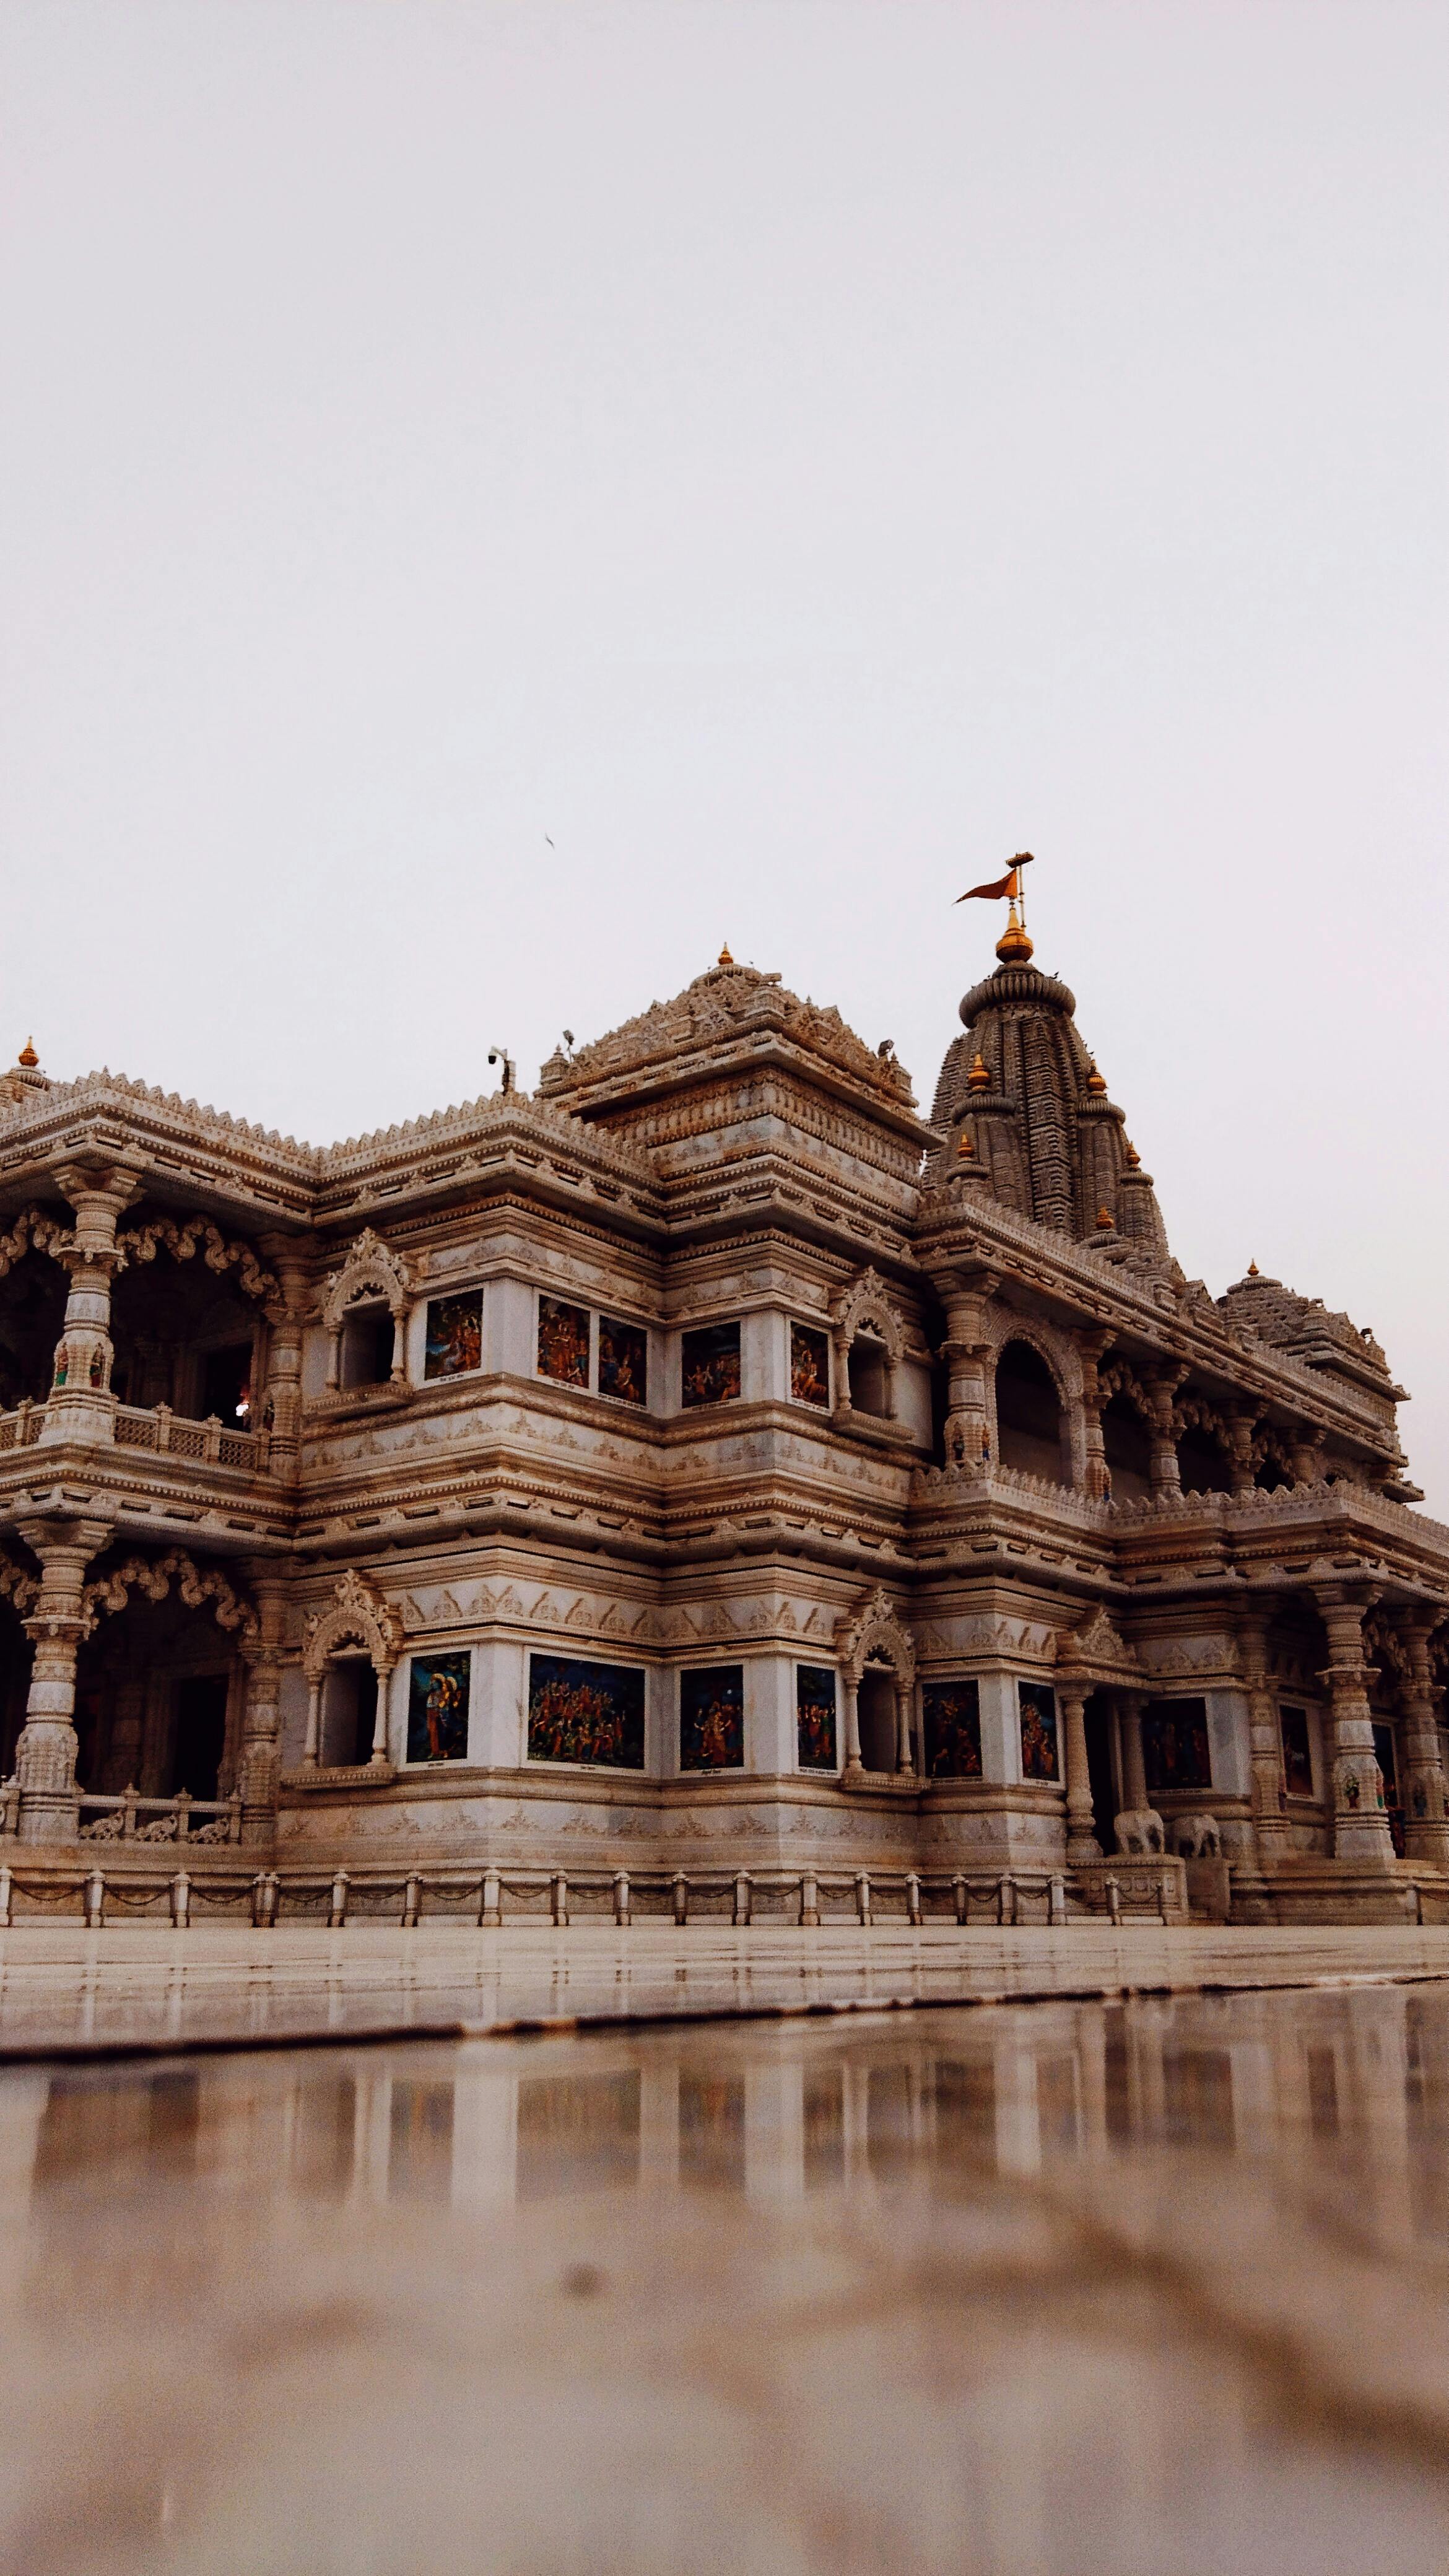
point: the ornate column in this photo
(1130, 1705)
(1093, 1348)
(1307, 1457)
(81, 1406)
(1082, 1843)
(1265, 1745)
(1239, 1419)
(852, 1724)
(284, 1351)
(1426, 1829)
(1160, 1389)
(1360, 1823)
(966, 1347)
(45, 1754)
(905, 1757)
(260, 1762)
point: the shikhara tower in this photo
(702, 1463)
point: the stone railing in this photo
(118, 1819)
(22, 1428)
(172, 1435)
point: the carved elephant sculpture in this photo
(1140, 1833)
(1198, 1838)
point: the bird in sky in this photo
(550, 844)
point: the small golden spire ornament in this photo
(1013, 947)
(1095, 1082)
(979, 1077)
(27, 1055)
(1133, 1158)
(1105, 1221)
(966, 1149)
(724, 958)
(1252, 1270)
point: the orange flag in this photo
(1009, 884)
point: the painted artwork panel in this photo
(623, 1361)
(1175, 1745)
(585, 1712)
(1297, 1752)
(1038, 1707)
(710, 1364)
(563, 1341)
(951, 1712)
(455, 1335)
(712, 1718)
(438, 1708)
(815, 1717)
(809, 1365)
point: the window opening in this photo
(1028, 1414)
(876, 1715)
(367, 1346)
(226, 1386)
(1127, 1446)
(869, 1375)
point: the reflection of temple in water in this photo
(778, 2114)
(705, 1462)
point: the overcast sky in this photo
(501, 498)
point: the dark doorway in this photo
(1385, 1753)
(1028, 1414)
(349, 1711)
(1128, 1449)
(1097, 1718)
(1202, 1465)
(226, 1386)
(200, 1735)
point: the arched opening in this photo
(1127, 1445)
(1202, 1462)
(877, 1715)
(158, 1700)
(367, 1346)
(1270, 1476)
(32, 1312)
(185, 1337)
(349, 1709)
(868, 1371)
(1028, 1414)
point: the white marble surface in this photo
(1042, 2290)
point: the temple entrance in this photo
(1097, 1719)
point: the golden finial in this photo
(1105, 1220)
(1252, 1270)
(724, 958)
(1095, 1082)
(979, 1077)
(27, 1055)
(1013, 947)
(966, 1149)
(1134, 1159)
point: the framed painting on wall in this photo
(585, 1712)
(455, 1335)
(815, 1717)
(951, 1715)
(1037, 1702)
(1175, 1751)
(710, 1364)
(438, 1708)
(809, 1365)
(623, 1361)
(563, 1341)
(712, 1717)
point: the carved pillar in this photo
(283, 1397)
(905, 1757)
(966, 1348)
(1082, 1843)
(312, 1747)
(1134, 1772)
(1307, 1457)
(1426, 1829)
(45, 1754)
(399, 1344)
(1160, 1389)
(852, 1724)
(1096, 1480)
(261, 1717)
(81, 1406)
(1265, 1745)
(1239, 1421)
(1360, 1823)
(379, 1723)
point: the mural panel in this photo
(623, 1361)
(563, 1341)
(455, 1335)
(952, 1716)
(1175, 1745)
(438, 1708)
(1297, 1752)
(809, 1365)
(815, 1717)
(585, 1712)
(1038, 1706)
(712, 1717)
(711, 1364)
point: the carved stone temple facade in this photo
(704, 1462)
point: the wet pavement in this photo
(1148, 2284)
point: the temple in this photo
(704, 1464)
